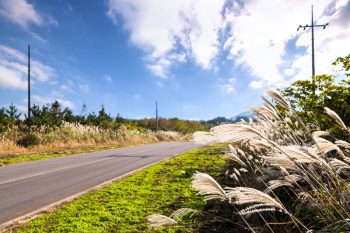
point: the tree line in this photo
(52, 115)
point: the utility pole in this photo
(312, 39)
(157, 116)
(28, 82)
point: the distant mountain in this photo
(248, 114)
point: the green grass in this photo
(123, 206)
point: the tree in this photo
(103, 116)
(68, 115)
(11, 114)
(4, 121)
(345, 61)
(119, 119)
(309, 105)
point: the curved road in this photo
(30, 186)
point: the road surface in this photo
(30, 186)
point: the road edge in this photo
(9, 225)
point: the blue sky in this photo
(198, 59)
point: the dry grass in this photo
(75, 138)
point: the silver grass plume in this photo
(273, 184)
(232, 154)
(233, 175)
(268, 104)
(158, 220)
(208, 187)
(251, 122)
(243, 195)
(294, 178)
(318, 134)
(243, 169)
(342, 143)
(278, 98)
(336, 118)
(326, 146)
(182, 212)
(201, 137)
(264, 112)
(236, 171)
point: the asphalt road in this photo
(29, 186)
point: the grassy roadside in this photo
(123, 206)
(62, 151)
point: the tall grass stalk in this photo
(295, 157)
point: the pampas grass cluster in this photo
(283, 154)
(75, 134)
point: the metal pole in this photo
(312, 39)
(313, 45)
(29, 82)
(157, 116)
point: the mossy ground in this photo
(124, 205)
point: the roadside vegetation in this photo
(286, 172)
(53, 131)
(124, 205)
(291, 168)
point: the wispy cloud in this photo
(108, 78)
(137, 96)
(226, 88)
(22, 13)
(84, 88)
(66, 88)
(159, 84)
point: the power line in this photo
(312, 40)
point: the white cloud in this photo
(36, 36)
(84, 88)
(227, 88)
(14, 69)
(256, 84)
(70, 82)
(48, 100)
(159, 84)
(137, 96)
(108, 78)
(66, 88)
(170, 32)
(289, 71)
(69, 7)
(259, 32)
(231, 80)
(22, 13)
(12, 79)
